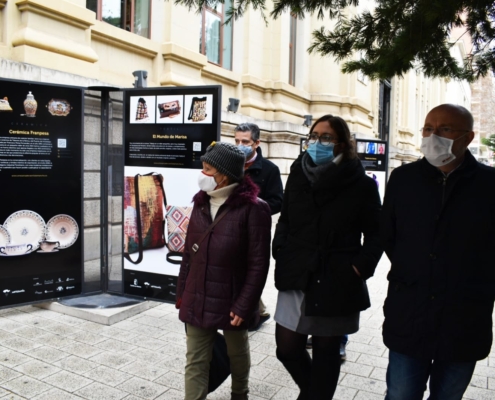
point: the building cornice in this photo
(59, 10)
(113, 36)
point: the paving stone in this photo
(26, 387)
(20, 344)
(11, 358)
(479, 381)
(151, 321)
(272, 363)
(144, 370)
(120, 334)
(281, 378)
(82, 350)
(474, 393)
(366, 384)
(6, 374)
(146, 330)
(112, 360)
(356, 369)
(140, 354)
(115, 346)
(149, 343)
(142, 388)
(108, 376)
(173, 363)
(172, 380)
(37, 369)
(373, 361)
(98, 391)
(362, 395)
(365, 349)
(69, 320)
(172, 394)
(48, 354)
(379, 373)
(286, 394)
(256, 358)
(263, 389)
(9, 325)
(75, 364)
(27, 332)
(12, 396)
(53, 340)
(68, 381)
(344, 393)
(88, 337)
(61, 329)
(57, 394)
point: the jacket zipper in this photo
(444, 185)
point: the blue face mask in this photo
(321, 154)
(247, 150)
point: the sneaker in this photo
(309, 343)
(263, 319)
(342, 352)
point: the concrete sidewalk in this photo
(47, 355)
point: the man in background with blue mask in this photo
(264, 173)
(438, 230)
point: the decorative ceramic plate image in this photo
(4, 104)
(26, 227)
(63, 229)
(4, 236)
(59, 108)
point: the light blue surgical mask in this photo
(321, 154)
(247, 150)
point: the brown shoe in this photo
(237, 396)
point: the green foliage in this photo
(393, 38)
(490, 143)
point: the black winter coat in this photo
(229, 270)
(266, 175)
(439, 234)
(318, 238)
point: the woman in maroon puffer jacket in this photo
(220, 285)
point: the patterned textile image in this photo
(198, 109)
(142, 110)
(177, 223)
(151, 200)
(170, 109)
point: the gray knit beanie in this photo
(226, 158)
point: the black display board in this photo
(166, 130)
(374, 158)
(41, 219)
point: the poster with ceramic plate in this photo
(42, 185)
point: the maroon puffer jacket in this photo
(229, 270)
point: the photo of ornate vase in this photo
(30, 105)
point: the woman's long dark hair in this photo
(342, 130)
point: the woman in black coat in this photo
(321, 262)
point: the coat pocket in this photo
(293, 267)
(399, 307)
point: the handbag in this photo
(177, 219)
(144, 222)
(198, 109)
(141, 110)
(169, 109)
(219, 364)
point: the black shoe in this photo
(309, 343)
(263, 319)
(342, 352)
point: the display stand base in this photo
(103, 308)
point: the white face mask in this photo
(207, 182)
(438, 150)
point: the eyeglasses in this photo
(443, 131)
(245, 142)
(325, 140)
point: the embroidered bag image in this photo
(198, 109)
(142, 110)
(170, 109)
(177, 223)
(144, 221)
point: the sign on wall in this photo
(374, 155)
(41, 249)
(166, 130)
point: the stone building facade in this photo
(266, 66)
